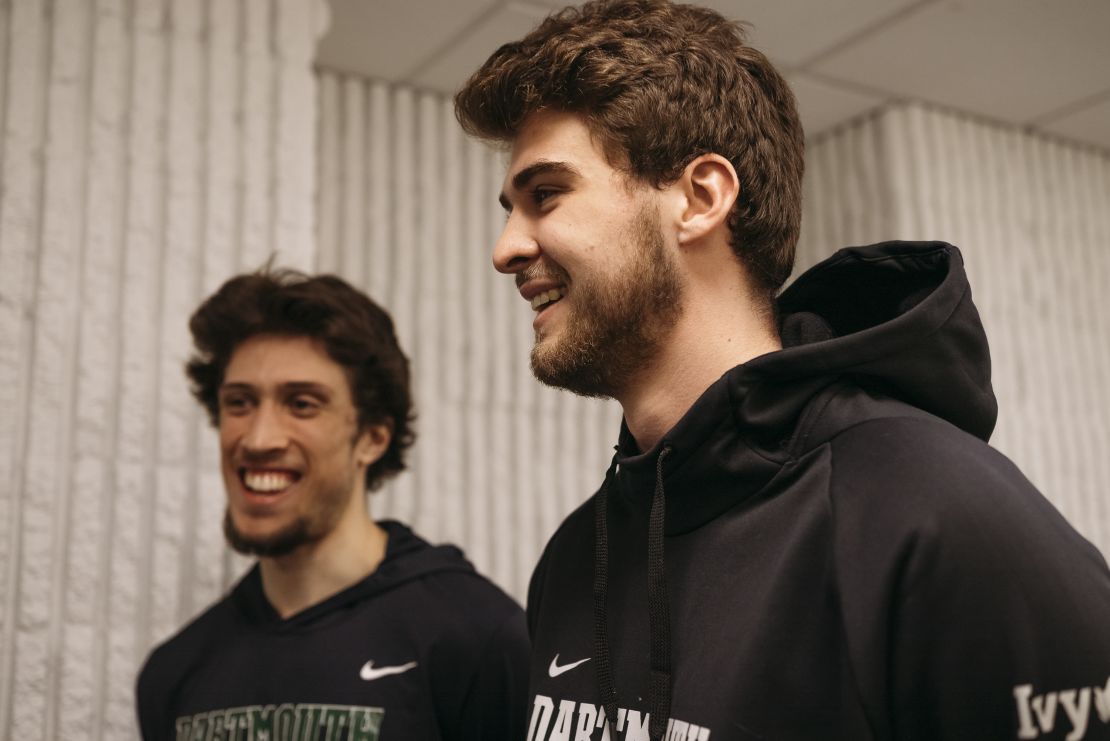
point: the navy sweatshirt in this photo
(422, 649)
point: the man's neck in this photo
(316, 571)
(707, 341)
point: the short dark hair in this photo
(660, 84)
(355, 332)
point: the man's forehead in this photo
(550, 135)
(282, 359)
(553, 142)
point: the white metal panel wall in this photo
(148, 150)
(408, 211)
(1032, 218)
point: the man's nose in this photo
(266, 431)
(516, 248)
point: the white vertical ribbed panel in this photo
(1032, 217)
(221, 228)
(408, 212)
(149, 149)
(296, 28)
(94, 418)
(477, 361)
(405, 212)
(450, 510)
(46, 502)
(23, 138)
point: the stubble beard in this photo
(280, 543)
(615, 326)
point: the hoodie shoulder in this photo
(441, 577)
(475, 636)
(168, 664)
(216, 623)
(944, 551)
(922, 479)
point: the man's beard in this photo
(307, 528)
(280, 543)
(615, 326)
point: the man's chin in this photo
(553, 366)
(280, 542)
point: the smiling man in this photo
(346, 629)
(803, 534)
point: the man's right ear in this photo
(372, 443)
(710, 187)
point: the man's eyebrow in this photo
(306, 386)
(286, 387)
(543, 167)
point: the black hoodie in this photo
(836, 552)
(423, 648)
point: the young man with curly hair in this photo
(803, 534)
(346, 628)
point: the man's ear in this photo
(710, 187)
(372, 443)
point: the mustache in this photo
(542, 272)
(257, 457)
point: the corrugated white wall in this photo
(148, 150)
(408, 211)
(1032, 217)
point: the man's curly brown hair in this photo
(355, 332)
(659, 84)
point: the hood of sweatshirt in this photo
(407, 557)
(897, 316)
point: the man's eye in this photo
(234, 404)
(539, 195)
(304, 406)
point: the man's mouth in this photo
(542, 300)
(267, 481)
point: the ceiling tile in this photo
(450, 69)
(1022, 61)
(388, 39)
(791, 32)
(1090, 124)
(548, 6)
(823, 106)
(1009, 59)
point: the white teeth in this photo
(541, 300)
(266, 481)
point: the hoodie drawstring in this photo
(659, 621)
(603, 669)
(659, 613)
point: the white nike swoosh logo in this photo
(555, 670)
(369, 673)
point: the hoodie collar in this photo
(896, 318)
(706, 463)
(407, 557)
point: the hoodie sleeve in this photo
(972, 609)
